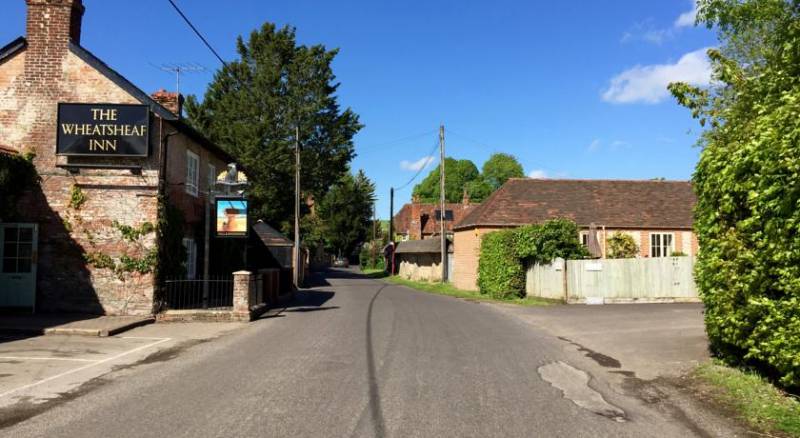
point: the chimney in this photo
(171, 101)
(51, 24)
(465, 199)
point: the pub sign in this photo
(102, 129)
(231, 217)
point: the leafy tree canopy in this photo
(746, 181)
(346, 213)
(253, 106)
(499, 168)
(458, 173)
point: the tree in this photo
(253, 106)
(622, 246)
(748, 267)
(346, 213)
(499, 168)
(458, 173)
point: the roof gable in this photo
(610, 203)
(13, 48)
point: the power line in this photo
(427, 162)
(197, 32)
(479, 143)
(400, 140)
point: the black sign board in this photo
(103, 129)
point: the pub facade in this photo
(116, 164)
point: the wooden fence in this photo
(668, 279)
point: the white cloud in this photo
(648, 83)
(416, 165)
(687, 19)
(595, 145)
(537, 174)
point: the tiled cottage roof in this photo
(404, 219)
(426, 246)
(610, 203)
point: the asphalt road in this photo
(358, 357)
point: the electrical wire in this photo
(427, 162)
(472, 140)
(197, 32)
(400, 140)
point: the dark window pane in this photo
(24, 265)
(9, 265)
(24, 251)
(26, 234)
(10, 234)
(10, 249)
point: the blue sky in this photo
(573, 89)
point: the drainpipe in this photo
(162, 195)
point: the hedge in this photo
(504, 254)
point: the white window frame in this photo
(583, 237)
(660, 249)
(192, 172)
(211, 177)
(191, 258)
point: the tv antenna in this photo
(179, 69)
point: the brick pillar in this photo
(241, 293)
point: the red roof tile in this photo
(610, 203)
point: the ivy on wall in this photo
(17, 174)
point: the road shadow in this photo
(304, 301)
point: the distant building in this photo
(417, 220)
(657, 214)
(101, 151)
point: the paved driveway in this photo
(650, 340)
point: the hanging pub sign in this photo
(102, 129)
(231, 217)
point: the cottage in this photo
(107, 153)
(421, 260)
(417, 220)
(657, 214)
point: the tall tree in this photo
(346, 213)
(499, 168)
(746, 182)
(458, 173)
(253, 106)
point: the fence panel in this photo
(546, 281)
(644, 279)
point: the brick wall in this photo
(32, 83)
(466, 252)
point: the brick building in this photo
(417, 220)
(83, 260)
(657, 214)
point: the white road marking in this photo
(87, 366)
(47, 358)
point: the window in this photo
(192, 174)
(661, 244)
(191, 258)
(584, 238)
(212, 177)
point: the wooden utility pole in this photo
(296, 271)
(391, 214)
(442, 214)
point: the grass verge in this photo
(754, 400)
(449, 290)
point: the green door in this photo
(18, 265)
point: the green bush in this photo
(504, 254)
(369, 258)
(746, 182)
(622, 246)
(500, 272)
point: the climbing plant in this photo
(17, 174)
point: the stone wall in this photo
(420, 267)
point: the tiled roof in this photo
(425, 246)
(610, 203)
(403, 219)
(270, 236)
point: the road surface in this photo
(357, 357)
